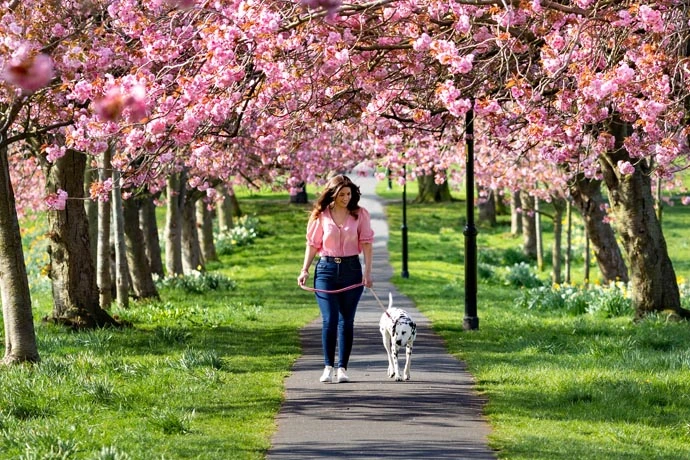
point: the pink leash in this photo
(334, 291)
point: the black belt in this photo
(338, 260)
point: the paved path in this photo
(435, 415)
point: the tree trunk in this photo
(204, 217)
(75, 295)
(515, 214)
(301, 196)
(173, 225)
(103, 276)
(654, 285)
(589, 201)
(224, 211)
(529, 227)
(20, 337)
(487, 208)
(137, 262)
(191, 250)
(569, 241)
(91, 212)
(234, 203)
(121, 271)
(558, 210)
(539, 234)
(149, 226)
(431, 192)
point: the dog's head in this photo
(404, 329)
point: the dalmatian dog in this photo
(397, 330)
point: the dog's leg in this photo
(396, 365)
(387, 345)
(408, 360)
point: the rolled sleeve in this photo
(315, 233)
(366, 233)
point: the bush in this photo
(198, 282)
(522, 275)
(606, 301)
(245, 231)
(611, 301)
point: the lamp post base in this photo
(470, 323)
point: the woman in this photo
(338, 230)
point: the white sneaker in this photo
(342, 376)
(327, 376)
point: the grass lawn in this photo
(559, 386)
(200, 374)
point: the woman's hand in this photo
(368, 282)
(302, 278)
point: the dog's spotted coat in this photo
(397, 330)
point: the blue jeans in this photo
(338, 310)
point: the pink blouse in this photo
(331, 240)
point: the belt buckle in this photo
(337, 260)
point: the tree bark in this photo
(234, 203)
(487, 208)
(121, 270)
(149, 226)
(529, 226)
(224, 211)
(590, 202)
(137, 262)
(75, 294)
(557, 254)
(191, 249)
(515, 215)
(301, 196)
(654, 285)
(173, 225)
(539, 235)
(431, 192)
(20, 336)
(204, 217)
(104, 279)
(91, 212)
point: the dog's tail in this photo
(390, 299)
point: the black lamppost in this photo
(403, 228)
(471, 320)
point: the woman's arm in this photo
(368, 251)
(309, 254)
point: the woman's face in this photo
(343, 197)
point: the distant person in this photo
(338, 230)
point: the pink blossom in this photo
(625, 168)
(463, 24)
(116, 102)
(331, 6)
(135, 103)
(57, 201)
(156, 126)
(110, 107)
(685, 200)
(651, 19)
(184, 4)
(28, 70)
(54, 152)
(101, 190)
(422, 43)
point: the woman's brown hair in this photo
(333, 187)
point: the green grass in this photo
(200, 375)
(558, 386)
